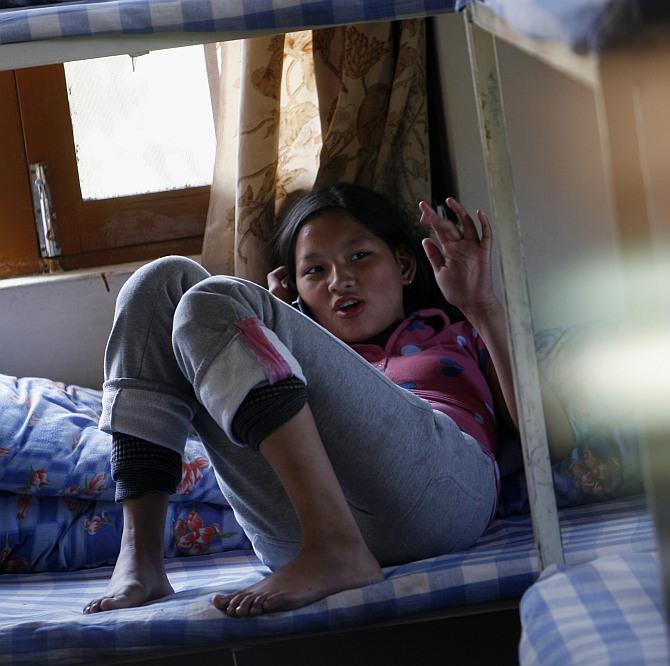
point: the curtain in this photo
(309, 109)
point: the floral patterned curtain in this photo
(309, 109)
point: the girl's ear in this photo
(407, 262)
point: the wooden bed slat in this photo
(493, 135)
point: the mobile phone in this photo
(299, 304)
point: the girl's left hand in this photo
(461, 260)
(278, 284)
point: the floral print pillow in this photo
(57, 509)
(605, 461)
(67, 533)
(50, 446)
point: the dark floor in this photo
(475, 639)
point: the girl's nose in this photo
(341, 278)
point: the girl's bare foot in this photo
(316, 573)
(139, 574)
(135, 581)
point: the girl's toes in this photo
(235, 601)
(221, 601)
(94, 606)
(111, 603)
(256, 607)
(243, 607)
(275, 602)
(234, 604)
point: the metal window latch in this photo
(44, 212)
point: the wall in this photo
(569, 237)
(56, 326)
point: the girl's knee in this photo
(208, 316)
(240, 290)
(164, 278)
(220, 298)
(208, 307)
(172, 269)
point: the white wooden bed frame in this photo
(614, 77)
(627, 141)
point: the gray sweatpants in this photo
(186, 348)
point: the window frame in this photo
(36, 115)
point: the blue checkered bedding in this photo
(57, 509)
(608, 611)
(56, 496)
(41, 619)
(22, 23)
(585, 25)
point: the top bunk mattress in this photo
(31, 20)
(584, 25)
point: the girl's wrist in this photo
(483, 312)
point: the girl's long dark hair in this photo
(378, 216)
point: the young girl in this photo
(358, 433)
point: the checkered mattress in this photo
(41, 619)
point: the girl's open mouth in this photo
(349, 308)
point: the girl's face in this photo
(350, 278)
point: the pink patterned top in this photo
(445, 364)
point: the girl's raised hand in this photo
(460, 259)
(278, 284)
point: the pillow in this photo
(67, 533)
(50, 445)
(605, 460)
(57, 509)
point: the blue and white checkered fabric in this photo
(41, 619)
(585, 25)
(112, 17)
(608, 611)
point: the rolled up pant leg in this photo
(145, 394)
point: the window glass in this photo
(141, 125)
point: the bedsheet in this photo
(585, 25)
(115, 17)
(608, 611)
(41, 619)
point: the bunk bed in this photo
(619, 50)
(41, 619)
(59, 522)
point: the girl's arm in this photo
(461, 263)
(492, 328)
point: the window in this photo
(129, 148)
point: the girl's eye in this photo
(360, 255)
(313, 270)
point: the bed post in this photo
(633, 105)
(493, 133)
